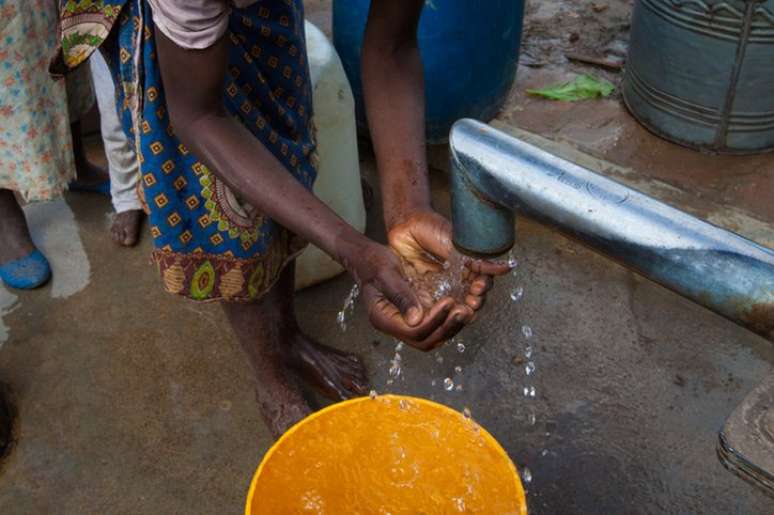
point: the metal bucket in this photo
(701, 72)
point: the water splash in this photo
(512, 261)
(448, 384)
(395, 366)
(517, 293)
(349, 307)
(449, 280)
(372, 394)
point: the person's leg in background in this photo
(90, 178)
(122, 159)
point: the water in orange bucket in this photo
(386, 454)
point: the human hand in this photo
(424, 244)
(393, 305)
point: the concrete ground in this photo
(133, 401)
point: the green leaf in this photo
(582, 88)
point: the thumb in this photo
(399, 292)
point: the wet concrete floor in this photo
(133, 401)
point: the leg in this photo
(122, 160)
(269, 333)
(259, 328)
(15, 240)
(21, 265)
(337, 374)
(88, 173)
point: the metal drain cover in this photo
(746, 444)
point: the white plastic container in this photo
(338, 179)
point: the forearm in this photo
(251, 170)
(395, 106)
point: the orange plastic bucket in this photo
(387, 454)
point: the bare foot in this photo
(337, 374)
(125, 230)
(15, 240)
(258, 327)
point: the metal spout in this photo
(494, 175)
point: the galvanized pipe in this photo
(494, 174)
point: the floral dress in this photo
(36, 157)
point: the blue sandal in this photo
(26, 273)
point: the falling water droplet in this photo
(372, 394)
(348, 308)
(528, 351)
(438, 358)
(403, 404)
(459, 503)
(466, 413)
(448, 384)
(512, 261)
(544, 452)
(458, 388)
(531, 418)
(526, 331)
(529, 368)
(526, 475)
(341, 319)
(517, 293)
(432, 383)
(399, 346)
(395, 368)
(458, 369)
(460, 347)
(529, 391)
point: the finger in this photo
(399, 292)
(454, 323)
(474, 302)
(463, 312)
(385, 317)
(481, 284)
(489, 267)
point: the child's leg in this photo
(338, 374)
(260, 328)
(269, 333)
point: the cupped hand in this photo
(393, 305)
(424, 243)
